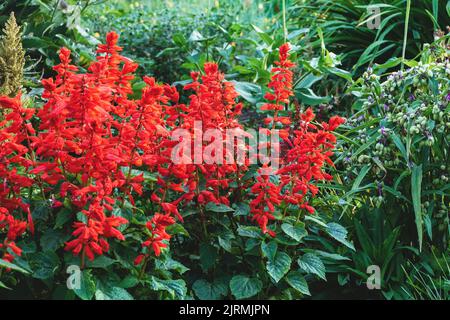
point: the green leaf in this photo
(263, 35)
(100, 262)
(178, 229)
(249, 231)
(278, 266)
(249, 91)
(208, 256)
(112, 293)
(316, 220)
(214, 207)
(41, 212)
(52, 240)
(308, 97)
(243, 287)
(308, 80)
(269, 249)
(209, 291)
(296, 232)
(416, 187)
(4, 286)
(177, 287)
(311, 263)
(331, 256)
(87, 286)
(9, 265)
(129, 282)
(400, 146)
(44, 264)
(63, 217)
(225, 239)
(339, 233)
(241, 209)
(341, 73)
(179, 39)
(296, 280)
(360, 177)
(170, 264)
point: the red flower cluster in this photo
(94, 141)
(302, 164)
(15, 137)
(213, 105)
(157, 226)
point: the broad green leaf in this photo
(278, 266)
(112, 293)
(269, 249)
(208, 256)
(86, 289)
(177, 287)
(341, 73)
(296, 280)
(44, 264)
(249, 91)
(241, 209)
(243, 287)
(308, 97)
(214, 207)
(249, 231)
(308, 80)
(210, 291)
(316, 220)
(170, 264)
(52, 240)
(296, 232)
(129, 282)
(225, 240)
(100, 262)
(311, 263)
(63, 217)
(339, 233)
(178, 229)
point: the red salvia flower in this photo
(303, 162)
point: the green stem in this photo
(83, 253)
(405, 35)
(144, 266)
(284, 21)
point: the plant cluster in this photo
(84, 156)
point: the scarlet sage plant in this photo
(306, 149)
(94, 143)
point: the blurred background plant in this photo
(167, 37)
(48, 25)
(346, 31)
